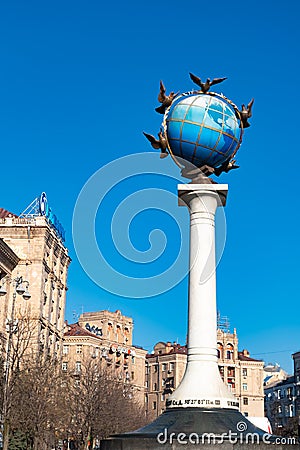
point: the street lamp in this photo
(21, 288)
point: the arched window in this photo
(229, 351)
(220, 350)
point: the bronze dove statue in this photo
(160, 143)
(208, 83)
(165, 100)
(246, 113)
(226, 167)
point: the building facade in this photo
(282, 396)
(296, 358)
(106, 336)
(280, 402)
(42, 262)
(242, 374)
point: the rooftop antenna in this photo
(75, 315)
(223, 323)
(32, 210)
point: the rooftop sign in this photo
(46, 211)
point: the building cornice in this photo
(8, 258)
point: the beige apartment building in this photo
(106, 336)
(242, 374)
(41, 261)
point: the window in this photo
(245, 387)
(171, 382)
(229, 351)
(65, 349)
(220, 350)
(171, 366)
(155, 386)
(146, 384)
(278, 394)
(244, 372)
(119, 335)
(78, 366)
(162, 397)
(147, 369)
(231, 372)
(163, 382)
(154, 405)
(246, 414)
(164, 366)
(133, 359)
(155, 368)
(132, 375)
(64, 366)
(245, 401)
(79, 349)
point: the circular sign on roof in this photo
(43, 204)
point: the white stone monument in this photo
(202, 384)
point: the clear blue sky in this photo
(79, 83)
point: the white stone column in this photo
(202, 385)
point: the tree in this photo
(39, 402)
(101, 404)
(20, 332)
(43, 404)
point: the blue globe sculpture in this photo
(202, 129)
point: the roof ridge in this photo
(5, 213)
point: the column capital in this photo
(186, 190)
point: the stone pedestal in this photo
(192, 428)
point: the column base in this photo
(192, 427)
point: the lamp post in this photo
(21, 288)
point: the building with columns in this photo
(242, 374)
(105, 336)
(41, 259)
(8, 261)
